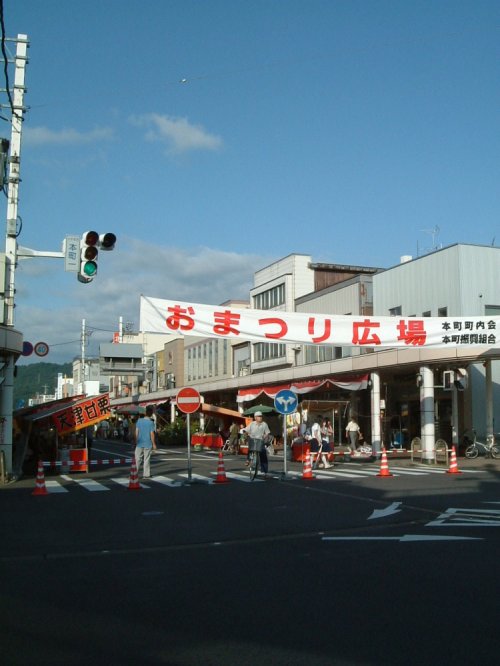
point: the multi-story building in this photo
(456, 281)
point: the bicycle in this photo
(490, 449)
(254, 449)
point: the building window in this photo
(265, 351)
(442, 312)
(396, 312)
(224, 357)
(492, 310)
(320, 353)
(269, 299)
(427, 313)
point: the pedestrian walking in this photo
(145, 442)
(353, 434)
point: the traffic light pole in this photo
(7, 381)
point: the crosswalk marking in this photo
(197, 477)
(124, 481)
(242, 477)
(55, 487)
(88, 484)
(428, 470)
(404, 471)
(345, 471)
(166, 481)
(467, 518)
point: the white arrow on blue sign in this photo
(285, 402)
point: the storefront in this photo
(61, 434)
(215, 423)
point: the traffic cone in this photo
(40, 487)
(133, 482)
(307, 471)
(221, 472)
(384, 466)
(453, 463)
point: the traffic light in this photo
(107, 242)
(88, 256)
(90, 244)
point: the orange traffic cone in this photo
(133, 482)
(384, 466)
(40, 487)
(307, 472)
(453, 463)
(221, 472)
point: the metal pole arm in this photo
(27, 252)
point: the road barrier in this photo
(104, 461)
(440, 451)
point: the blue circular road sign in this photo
(285, 402)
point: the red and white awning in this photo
(348, 383)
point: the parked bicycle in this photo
(489, 449)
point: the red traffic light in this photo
(90, 237)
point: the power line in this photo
(5, 61)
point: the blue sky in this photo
(214, 137)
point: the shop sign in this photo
(82, 414)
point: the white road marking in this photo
(166, 481)
(124, 481)
(55, 487)
(197, 477)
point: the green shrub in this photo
(174, 434)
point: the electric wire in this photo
(5, 61)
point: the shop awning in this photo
(346, 382)
(214, 410)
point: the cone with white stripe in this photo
(384, 465)
(133, 482)
(40, 487)
(221, 472)
(453, 463)
(307, 471)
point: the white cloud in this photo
(41, 136)
(51, 304)
(178, 134)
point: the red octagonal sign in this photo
(188, 400)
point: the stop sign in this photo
(188, 400)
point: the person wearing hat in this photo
(258, 429)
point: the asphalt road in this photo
(352, 569)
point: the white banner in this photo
(212, 321)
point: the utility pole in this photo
(83, 357)
(14, 345)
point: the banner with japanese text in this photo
(82, 414)
(185, 318)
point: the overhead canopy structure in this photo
(214, 410)
(348, 383)
(131, 409)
